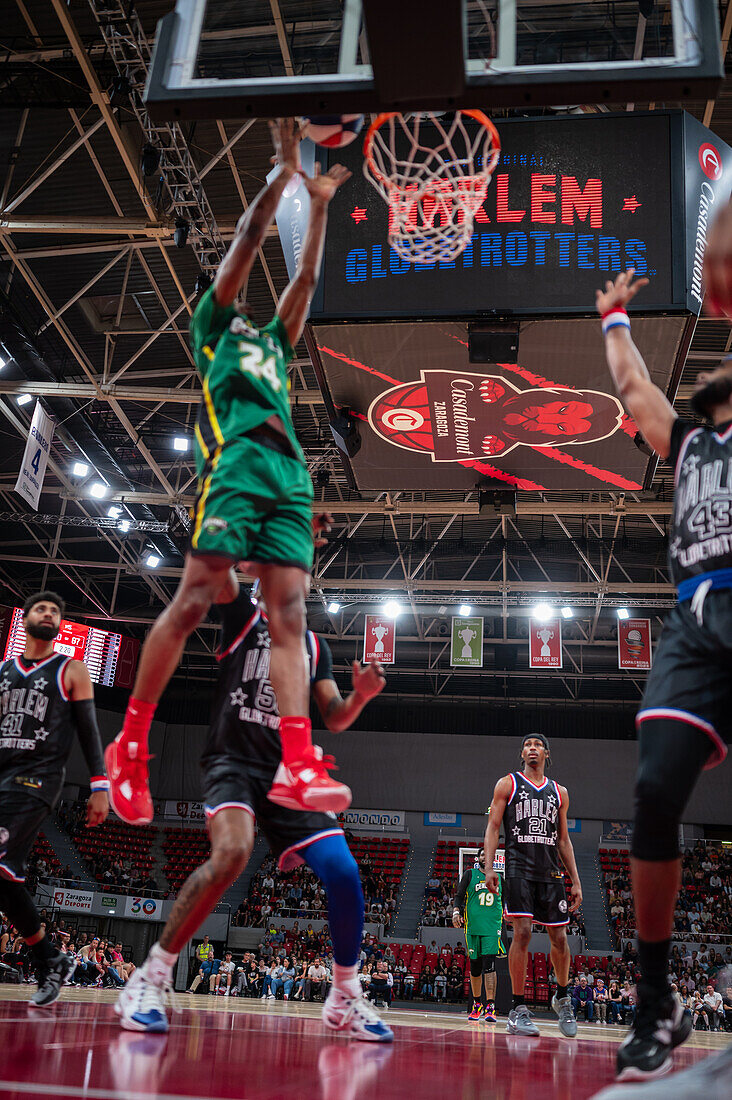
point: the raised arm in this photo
(566, 852)
(294, 305)
(339, 713)
(645, 402)
(251, 229)
(501, 795)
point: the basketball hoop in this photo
(432, 182)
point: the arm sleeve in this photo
(461, 894)
(207, 323)
(679, 432)
(324, 663)
(87, 730)
(276, 329)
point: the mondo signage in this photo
(145, 908)
(387, 820)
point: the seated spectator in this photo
(382, 981)
(408, 985)
(284, 978)
(126, 969)
(627, 1002)
(207, 970)
(455, 985)
(602, 1000)
(440, 980)
(614, 1003)
(427, 983)
(301, 973)
(713, 1009)
(268, 976)
(316, 980)
(583, 1000)
(226, 971)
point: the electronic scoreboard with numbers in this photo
(111, 658)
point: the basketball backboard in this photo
(228, 59)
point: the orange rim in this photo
(368, 141)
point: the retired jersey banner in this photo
(634, 643)
(466, 650)
(35, 457)
(545, 643)
(379, 639)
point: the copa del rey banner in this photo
(634, 643)
(379, 639)
(545, 643)
(35, 457)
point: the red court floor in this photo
(243, 1049)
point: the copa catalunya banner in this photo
(390, 821)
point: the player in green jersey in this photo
(481, 914)
(254, 501)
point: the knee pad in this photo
(489, 964)
(476, 968)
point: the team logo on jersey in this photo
(460, 416)
(215, 524)
(239, 327)
(562, 906)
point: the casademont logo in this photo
(455, 417)
(710, 161)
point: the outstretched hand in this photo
(286, 136)
(367, 682)
(323, 188)
(321, 523)
(616, 295)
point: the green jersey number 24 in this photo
(254, 360)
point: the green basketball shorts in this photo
(254, 504)
(484, 945)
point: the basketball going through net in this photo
(434, 174)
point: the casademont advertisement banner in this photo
(708, 183)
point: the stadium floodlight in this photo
(391, 609)
(3, 361)
(123, 526)
(567, 613)
(98, 490)
(80, 469)
(623, 613)
(542, 612)
(114, 512)
(180, 443)
(24, 398)
(152, 561)
(464, 609)
(333, 607)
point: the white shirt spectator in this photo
(713, 1001)
(317, 973)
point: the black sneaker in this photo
(52, 975)
(659, 1026)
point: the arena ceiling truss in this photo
(96, 296)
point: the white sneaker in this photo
(141, 1005)
(355, 1017)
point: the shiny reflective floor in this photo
(220, 1049)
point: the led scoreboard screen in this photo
(111, 658)
(571, 201)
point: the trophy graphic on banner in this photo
(466, 636)
(379, 631)
(545, 636)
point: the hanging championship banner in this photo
(634, 643)
(545, 643)
(466, 649)
(379, 639)
(35, 457)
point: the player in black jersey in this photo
(685, 719)
(533, 811)
(44, 697)
(240, 759)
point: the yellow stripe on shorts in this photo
(218, 434)
(201, 505)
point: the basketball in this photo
(333, 131)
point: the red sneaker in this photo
(129, 793)
(306, 785)
(477, 1011)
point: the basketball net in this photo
(433, 174)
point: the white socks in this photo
(159, 964)
(345, 980)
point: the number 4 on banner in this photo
(35, 457)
